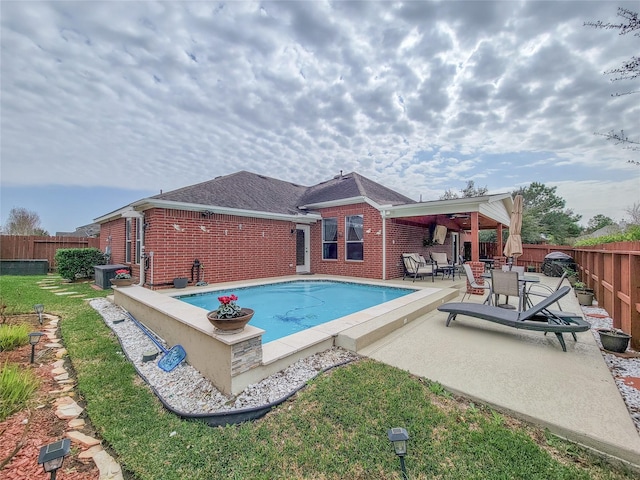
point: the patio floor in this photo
(522, 373)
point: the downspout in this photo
(384, 245)
(142, 253)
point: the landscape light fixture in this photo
(398, 437)
(39, 308)
(51, 456)
(34, 337)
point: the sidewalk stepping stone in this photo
(61, 353)
(62, 390)
(90, 452)
(82, 439)
(69, 412)
(53, 345)
(76, 423)
(62, 376)
(62, 401)
(109, 468)
(58, 371)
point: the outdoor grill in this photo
(556, 262)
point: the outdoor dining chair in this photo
(506, 283)
(474, 283)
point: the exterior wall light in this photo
(39, 308)
(51, 456)
(34, 337)
(398, 437)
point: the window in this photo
(330, 239)
(127, 241)
(354, 238)
(138, 239)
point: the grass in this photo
(13, 336)
(16, 389)
(333, 429)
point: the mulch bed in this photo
(25, 432)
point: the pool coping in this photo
(257, 360)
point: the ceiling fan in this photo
(459, 215)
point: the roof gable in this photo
(349, 186)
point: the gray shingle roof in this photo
(250, 191)
(352, 185)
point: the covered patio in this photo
(463, 216)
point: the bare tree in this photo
(469, 191)
(629, 70)
(634, 213)
(23, 222)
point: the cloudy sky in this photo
(104, 103)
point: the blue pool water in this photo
(285, 308)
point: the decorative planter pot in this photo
(584, 298)
(123, 282)
(180, 282)
(614, 342)
(227, 326)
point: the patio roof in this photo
(493, 210)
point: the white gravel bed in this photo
(187, 391)
(620, 367)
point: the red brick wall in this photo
(229, 247)
(235, 248)
(402, 237)
(371, 266)
(112, 234)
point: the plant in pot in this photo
(614, 339)
(229, 317)
(122, 278)
(584, 294)
(572, 276)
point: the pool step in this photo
(359, 336)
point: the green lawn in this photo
(333, 429)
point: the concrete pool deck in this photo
(525, 374)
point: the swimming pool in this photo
(282, 309)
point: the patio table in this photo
(488, 263)
(526, 279)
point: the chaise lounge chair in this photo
(416, 266)
(443, 265)
(537, 318)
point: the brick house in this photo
(245, 226)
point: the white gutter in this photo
(147, 204)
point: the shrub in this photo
(76, 263)
(12, 336)
(17, 386)
(631, 234)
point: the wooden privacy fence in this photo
(613, 271)
(532, 255)
(32, 247)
